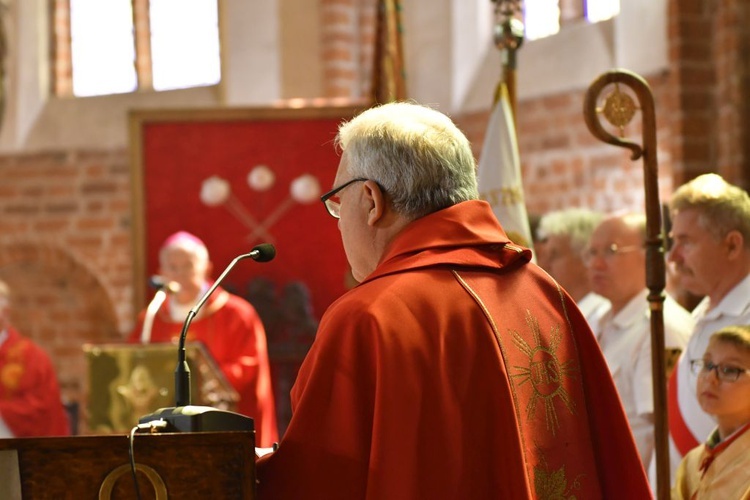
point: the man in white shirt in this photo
(711, 255)
(562, 236)
(616, 263)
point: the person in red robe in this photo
(30, 403)
(227, 325)
(456, 368)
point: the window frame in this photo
(61, 69)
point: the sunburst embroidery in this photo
(545, 372)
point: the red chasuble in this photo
(457, 369)
(29, 393)
(233, 333)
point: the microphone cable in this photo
(153, 426)
(132, 462)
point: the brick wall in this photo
(732, 79)
(348, 32)
(564, 165)
(65, 251)
(709, 75)
(702, 114)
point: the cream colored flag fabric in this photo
(500, 173)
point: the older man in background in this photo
(561, 237)
(711, 255)
(616, 263)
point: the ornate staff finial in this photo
(508, 35)
(619, 108)
(509, 30)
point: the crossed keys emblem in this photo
(216, 191)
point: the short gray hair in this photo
(636, 221)
(416, 154)
(722, 207)
(575, 223)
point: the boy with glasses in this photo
(720, 467)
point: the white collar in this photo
(632, 311)
(734, 303)
(178, 312)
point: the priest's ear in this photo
(377, 202)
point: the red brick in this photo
(62, 208)
(51, 226)
(335, 17)
(337, 54)
(21, 209)
(102, 187)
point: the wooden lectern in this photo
(185, 466)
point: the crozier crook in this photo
(619, 109)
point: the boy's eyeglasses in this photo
(726, 373)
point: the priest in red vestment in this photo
(30, 404)
(456, 368)
(227, 325)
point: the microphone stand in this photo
(159, 297)
(182, 372)
(184, 416)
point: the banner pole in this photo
(508, 35)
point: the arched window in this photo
(544, 17)
(120, 46)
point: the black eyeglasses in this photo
(726, 373)
(331, 200)
(607, 253)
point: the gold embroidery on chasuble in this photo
(14, 368)
(553, 485)
(544, 372)
(537, 373)
(10, 376)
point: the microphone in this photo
(185, 417)
(162, 283)
(262, 253)
(163, 287)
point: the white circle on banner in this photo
(261, 178)
(305, 189)
(215, 191)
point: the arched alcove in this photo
(60, 304)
